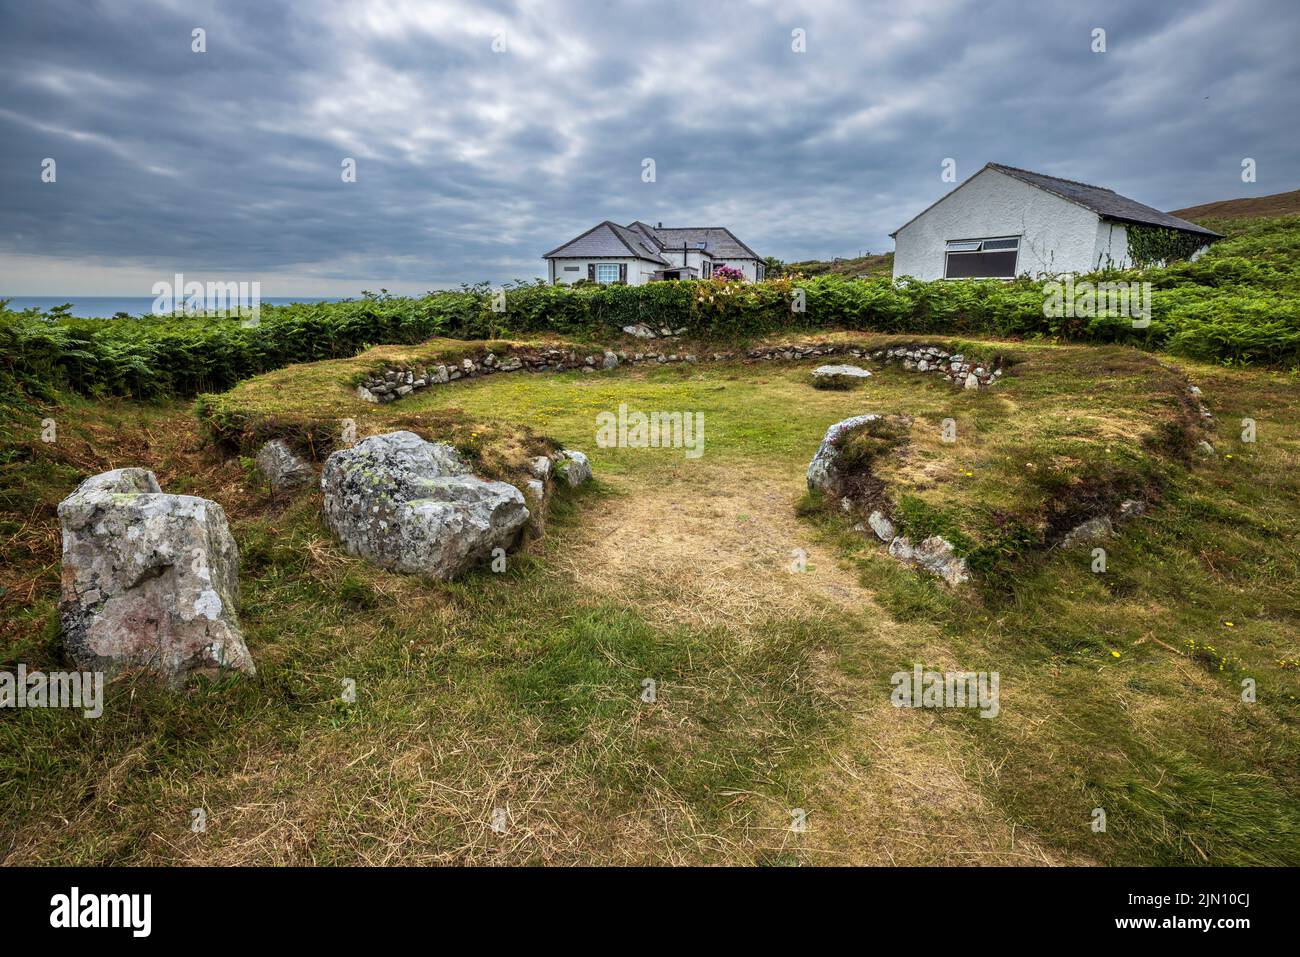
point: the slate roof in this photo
(608, 239)
(1106, 203)
(647, 242)
(719, 242)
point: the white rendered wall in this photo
(1056, 235)
(639, 271)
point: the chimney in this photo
(660, 226)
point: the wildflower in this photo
(1114, 654)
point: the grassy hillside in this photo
(1251, 207)
(862, 267)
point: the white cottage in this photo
(1005, 222)
(639, 253)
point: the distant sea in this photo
(105, 307)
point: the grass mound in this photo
(1008, 471)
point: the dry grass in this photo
(711, 545)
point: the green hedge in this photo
(1239, 304)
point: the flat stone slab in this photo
(840, 372)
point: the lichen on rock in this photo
(150, 580)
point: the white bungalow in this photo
(639, 253)
(1005, 222)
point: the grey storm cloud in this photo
(472, 162)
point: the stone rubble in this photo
(934, 555)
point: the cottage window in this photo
(981, 258)
(606, 272)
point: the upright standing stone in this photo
(150, 580)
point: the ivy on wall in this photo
(1154, 245)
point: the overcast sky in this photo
(471, 163)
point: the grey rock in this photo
(640, 330)
(1093, 530)
(972, 381)
(1205, 448)
(573, 467)
(1131, 507)
(411, 506)
(823, 471)
(150, 581)
(881, 525)
(839, 375)
(283, 468)
(935, 555)
(540, 467)
(365, 395)
(609, 361)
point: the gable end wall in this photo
(1056, 235)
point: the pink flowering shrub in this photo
(728, 273)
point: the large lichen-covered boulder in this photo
(824, 472)
(412, 506)
(150, 580)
